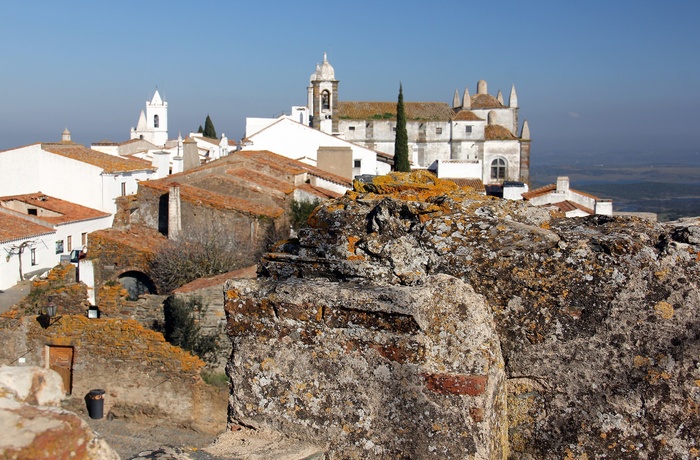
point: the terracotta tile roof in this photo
(109, 163)
(551, 188)
(476, 184)
(204, 197)
(498, 133)
(140, 238)
(485, 101)
(67, 212)
(322, 193)
(15, 228)
(292, 166)
(567, 206)
(466, 115)
(218, 280)
(261, 179)
(415, 111)
(539, 191)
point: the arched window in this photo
(498, 169)
(326, 100)
(156, 121)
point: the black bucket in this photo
(95, 403)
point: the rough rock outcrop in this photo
(373, 371)
(32, 427)
(597, 320)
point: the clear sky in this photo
(592, 76)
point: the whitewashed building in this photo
(149, 141)
(37, 229)
(289, 138)
(71, 172)
(153, 122)
(572, 203)
(479, 128)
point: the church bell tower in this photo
(322, 99)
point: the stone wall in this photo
(141, 373)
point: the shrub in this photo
(182, 327)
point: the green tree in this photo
(209, 130)
(200, 130)
(401, 144)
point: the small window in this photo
(438, 130)
(394, 128)
(32, 211)
(123, 188)
(156, 121)
(32, 254)
(357, 163)
(83, 239)
(69, 243)
(468, 128)
(351, 128)
(59, 247)
(498, 169)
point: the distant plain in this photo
(664, 183)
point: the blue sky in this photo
(592, 76)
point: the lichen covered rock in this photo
(369, 371)
(597, 317)
(31, 431)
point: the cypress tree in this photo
(209, 130)
(401, 143)
(200, 130)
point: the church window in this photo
(468, 129)
(326, 100)
(438, 130)
(498, 169)
(156, 121)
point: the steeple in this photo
(455, 101)
(513, 100)
(466, 100)
(156, 99)
(525, 133)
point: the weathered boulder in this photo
(597, 317)
(31, 431)
(369, 371)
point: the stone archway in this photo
(136, 284)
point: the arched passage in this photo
(137, 283)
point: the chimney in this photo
(174, 215)
(65, 136)
(562, 184)
(190, 154)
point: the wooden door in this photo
(61, 361)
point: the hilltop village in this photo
(300, 245)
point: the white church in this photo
(479, 136)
